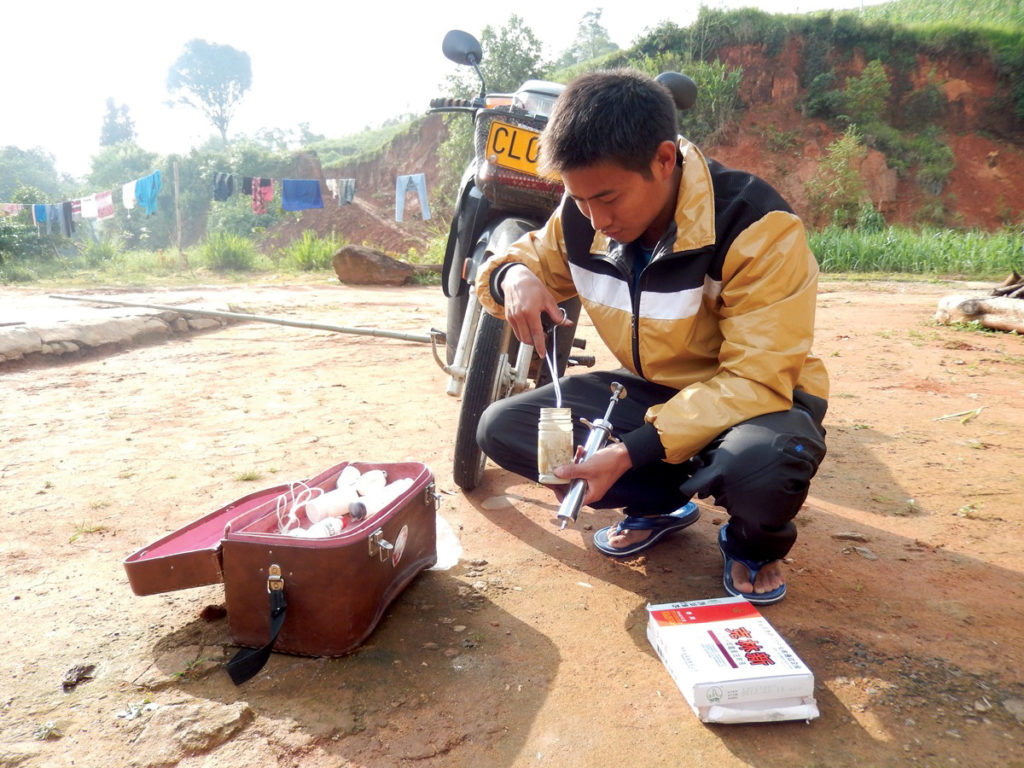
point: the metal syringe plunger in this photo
(600, 431)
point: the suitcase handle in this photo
(247, 663)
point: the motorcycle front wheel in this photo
(489, 378)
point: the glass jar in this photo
(554, 444)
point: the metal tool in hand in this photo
(600, 431)
(550, 357)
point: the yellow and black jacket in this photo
(724, 312)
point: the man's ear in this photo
(664, 163)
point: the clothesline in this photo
(99, 205)
(296, 194)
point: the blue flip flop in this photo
(659, 525)
(757, 598)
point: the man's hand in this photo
(600, 471)
(526, 299)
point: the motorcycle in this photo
(501, 197)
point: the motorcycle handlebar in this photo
(450, 103)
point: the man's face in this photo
(623, 204)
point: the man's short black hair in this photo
(615, 115)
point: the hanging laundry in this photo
(417, 182)
(128, 195)
(76, 210)
(223, 186)
(39, 213)
(11, 209)
(348, 191)
(67, 227)
(300, 194)
(104, 205)
(89, 207)
(146, 190)
(247, 185)
(53, 218)
(262, 193)
(344, 190)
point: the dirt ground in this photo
(531, 650)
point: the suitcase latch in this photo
(379, 545)
(275, 583)
(431, 497)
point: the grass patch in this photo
(84, 529)
(932, 252)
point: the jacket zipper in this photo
(635, 323)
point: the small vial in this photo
(554, 444)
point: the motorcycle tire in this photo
(489, 363)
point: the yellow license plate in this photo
(512, 147)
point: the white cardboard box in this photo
(730, 663)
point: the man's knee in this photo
(772, 476)
(489, 428)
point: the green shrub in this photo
(225, 252)
(924, 107)
(17, 273)
(100, 252)
(138, 262)
(821, 99)
(836, 192)
(866, 97)
(434, 254)
(718, 89)
(235, 216)
(896, 146)
(869, 219)
(935, 161)
(311, 252)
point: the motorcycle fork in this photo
(467, 334)
(512, 378)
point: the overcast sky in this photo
(338, 66)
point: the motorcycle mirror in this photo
(462, 48)
(682, 88)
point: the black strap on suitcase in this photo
(247, 663)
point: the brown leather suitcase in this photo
(310, 596)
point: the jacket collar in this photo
(695, 203)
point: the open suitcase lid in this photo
(190, 557)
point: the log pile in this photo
(1002, 309)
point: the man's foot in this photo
(623, 539)
(769, 578)
(759, 581)
(634, 533)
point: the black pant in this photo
(758, 470)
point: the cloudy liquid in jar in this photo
(554, 444)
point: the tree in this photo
(512, 55)
(118, 125)
(211, 78)
(117, 164)
(591, 41)
(27, 168)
